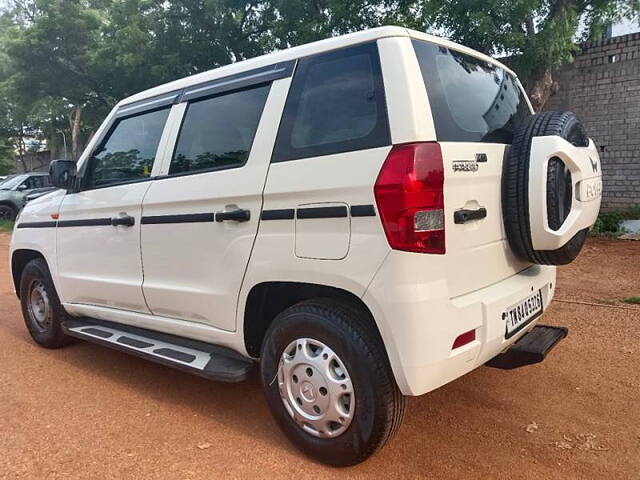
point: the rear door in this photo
(201, 216)
(475, 106)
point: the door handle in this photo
(464, 215)
(239, 215)
(123, 220)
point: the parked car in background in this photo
(14, 191)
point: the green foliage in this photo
(65, 63)
(634, 300)
(609, 222)
(6, 226)
(7, 165)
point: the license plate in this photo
(519, 315)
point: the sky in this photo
(625, 27)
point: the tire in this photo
(44, 324)
(377, 405)
(515, 187)
(7, 212)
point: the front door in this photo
(200, 221)
(98, 234)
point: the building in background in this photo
(602, 86)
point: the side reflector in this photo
(464, 339)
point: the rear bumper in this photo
(419, 321)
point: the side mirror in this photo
(22, 187)
(62, 173)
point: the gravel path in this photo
(89, 412)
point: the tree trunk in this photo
(21, 150)
(53, 146)
(74, 124)
(541, 87)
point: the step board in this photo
(531, 348)
(211, 361)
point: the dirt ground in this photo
(89, 412)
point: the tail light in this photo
(410, 198)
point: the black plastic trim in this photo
(175, 354)
(532, 348)
(238, 215)
(465, 215)
(148, 104)
(37, 224)
(97, 332)
(278, 214)
(133, 342)
(363, 211)
(322, 212)
(87, 222)
(182, 218)
(241, 80)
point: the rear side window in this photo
(336, 104)
(128, 152)
(217, 132)
(471, 100)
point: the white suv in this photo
(369, 216)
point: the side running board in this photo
(209, 361)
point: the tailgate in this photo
(478, 253)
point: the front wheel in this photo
(328, 382)
(7, 212)
(41, 308)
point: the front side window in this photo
(218, 132)
(128, 151)
(36, 181)
(336, 104)
(471, 100)
(12, 182)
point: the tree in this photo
(51, 44)
(537, 35)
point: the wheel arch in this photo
(267, 299)
(19, 259)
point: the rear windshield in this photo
(471, 100)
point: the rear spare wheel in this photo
(559, 187)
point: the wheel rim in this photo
(39, 306)
(316, 388)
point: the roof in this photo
(308, 49)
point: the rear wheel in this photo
(41, 308)
(328, 382)
(7, 212)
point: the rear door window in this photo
(471, 100)
(336, 104)
(218, 132)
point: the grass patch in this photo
(632, 300)
(6, 226)
(608, 223)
